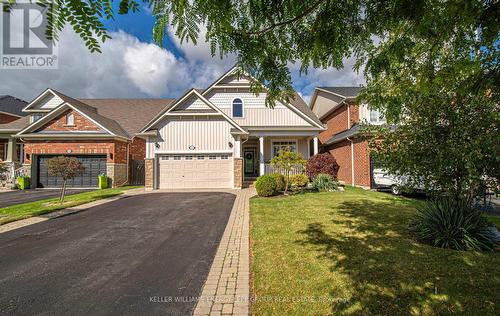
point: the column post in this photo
(11, 150)
(261, 156)
(316, 145)
(237, 147)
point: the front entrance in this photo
(250, 162)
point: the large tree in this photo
(422, 59)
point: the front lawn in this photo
(349, 253)
(25, 210)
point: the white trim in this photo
(339, 95)
(204, 100)
(192, 152)
(193, 114)
(70, 117)
(27, 108)
(296, 141)
(11, 114)
(242, 109)
(315, 146)
(228, 73)
(262, 166)
(57, 111)
(281, 133)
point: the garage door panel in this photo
(195, 172)
(94, 165)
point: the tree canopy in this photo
(267, 35)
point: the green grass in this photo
(495, 220)
(26, 210)
(349, 253)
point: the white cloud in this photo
(128, 67)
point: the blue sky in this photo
(131, 65)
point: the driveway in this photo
(8, 198)
(147, 254)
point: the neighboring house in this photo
(11, 115)
(337, 108)
(223, 135)
(101, 133)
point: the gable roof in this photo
(12, 105)
(302, 106)
(296, 102)
(184, 98)
(344, 92)
(119, 117)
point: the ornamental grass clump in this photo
(324, 183)
(453, 223)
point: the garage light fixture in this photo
(230, 144)
(157, 145)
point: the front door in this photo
(249, 161)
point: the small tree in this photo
(287, 160)
(65, 167)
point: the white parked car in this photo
(386, 181)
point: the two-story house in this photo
(216, 137)
(220, 136)
(337, 108)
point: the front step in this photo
(249, 183)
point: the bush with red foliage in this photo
(322, 163)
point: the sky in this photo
(132, 66)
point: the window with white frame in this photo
(224, 157)
(376, 116)
(212, 157)
(70, 119)
(35, 117)
(284, 146)
(237, 108)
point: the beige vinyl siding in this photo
(255, 112)
(302, 146)
(324, 102)
(192, 103)
(206, 134)
(49, 102)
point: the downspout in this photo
(352, 143)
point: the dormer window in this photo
(237, 108)
(70, 119)
(35, 117)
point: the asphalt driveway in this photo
(142, 255)
(8, 198)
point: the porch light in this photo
(157, 145)
(230, 144)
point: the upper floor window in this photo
(376, 117)
(237, 108)
(35, 117)
(70, 119)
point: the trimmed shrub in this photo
(324, 182)
(280, 181)
(299, 180)
(450, 223)
(322, 164)
(265, 185)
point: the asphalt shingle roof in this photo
(346, 92)
(13, 105)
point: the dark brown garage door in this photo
(94, 166)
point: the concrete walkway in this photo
(227, 288)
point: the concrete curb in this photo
(67, 211)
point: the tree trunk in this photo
(287, 181)
(63, 192)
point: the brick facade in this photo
(337, 122)
(6, 118)
(138, 149)
(80, 123)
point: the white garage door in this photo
(195, 171)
